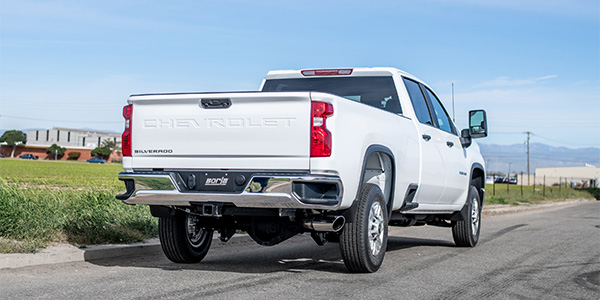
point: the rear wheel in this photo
(363, 241)
(466, 232)
(182, 239)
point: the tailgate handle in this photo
(216, 103)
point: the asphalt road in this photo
(549, 254)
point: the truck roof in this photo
(377, 71)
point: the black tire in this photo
(466, 232)
(359, 253)
(182, 243)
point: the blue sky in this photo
(533, 65)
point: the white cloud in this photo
(505, 81)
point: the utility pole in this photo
(527, 143)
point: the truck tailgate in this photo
(221, 131)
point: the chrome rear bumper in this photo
(261, 191)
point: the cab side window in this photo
(441, 115)
(418, 102)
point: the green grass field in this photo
(42, 202)
(512, 195)
(60, 174)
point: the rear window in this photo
(378, 92)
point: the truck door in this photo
(452, 153)
(433, 170)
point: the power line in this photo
(58, 107)
(49, 120)
(535, 157)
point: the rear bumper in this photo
(261, 191)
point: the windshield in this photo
(378, 92)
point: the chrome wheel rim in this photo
(195, 234)
(376, 228)
(474, 216)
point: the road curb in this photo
(64, 253)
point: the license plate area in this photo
(216, 181)
(221, 181)
(210, 181)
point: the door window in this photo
(418, 101)
(441, 115)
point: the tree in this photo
(56, 150)
(13, 138)
(103, 152)
(109, 144)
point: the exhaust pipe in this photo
(334, 224)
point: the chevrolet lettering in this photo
(338, 154)
(219, 123)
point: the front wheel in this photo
(466, 232)
(363, 241)
(182, 239)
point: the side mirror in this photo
(465, 138)
(477, 124)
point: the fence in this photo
(541, 182)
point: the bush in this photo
(102, 151)
(74, 155)
(593, 191)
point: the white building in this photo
(586, 176)
(69, 137)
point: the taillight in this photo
(126, 138)
(320, 137)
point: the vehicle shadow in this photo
(400, 243)
(296, 255)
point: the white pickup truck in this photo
(338, 153)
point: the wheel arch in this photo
(375, 154)
(478, 180)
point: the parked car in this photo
(500, 180)
(512, 180)
(96, 160)
(28, 156)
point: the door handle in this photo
(450, 144)
(426, 137)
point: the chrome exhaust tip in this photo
(334, 224)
